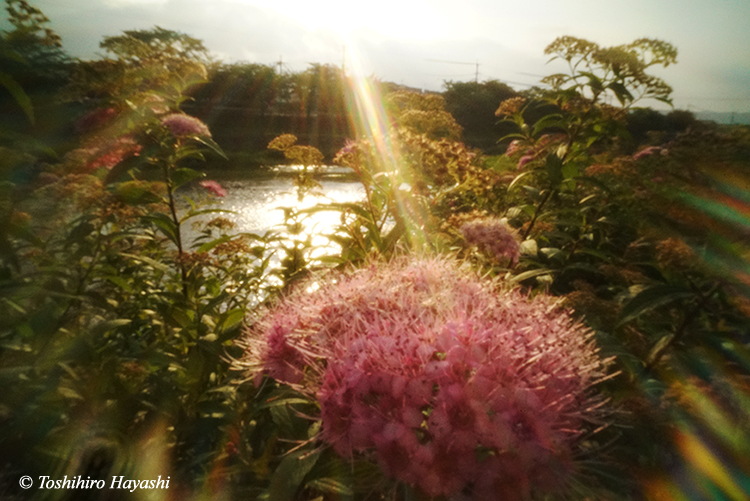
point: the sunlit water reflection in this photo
(254, 203)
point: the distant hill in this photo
(724, 118)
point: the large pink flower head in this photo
(451, 382)
(181, 125)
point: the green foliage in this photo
(145, 62)
(472, 104)
(624, 237)
(423, 114)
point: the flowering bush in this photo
(181, 125)
(493, 236)
(451, 383)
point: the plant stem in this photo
(536, 214)
(177, 232)
(682, 329)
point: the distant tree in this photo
(143, 61)
(32, 52)
(321, 90)
(641, 121)
(319, 94)
(253, 87)
(649, 125)
(680, 120)
(473, 105)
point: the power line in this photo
(476, 64)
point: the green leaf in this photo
(22, 99)
(658, 348)
(651, 298)
(156, 264)
(109, 325)
(664, 100)
(622, 93)
(330, 485)
(282, 401)
(390, 240)
(195, 213)
(212, 145)
(232, 319)
(515, 135)
(133, 193)
(213, 243)
(517, 179)
(569, 171)
(165, 224)
(120, 282)
(554, 120)
(554, 169)
(594, 81)
(184, 175)
(530, 274)
(290, 473)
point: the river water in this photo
(254, 201)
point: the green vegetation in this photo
(126, 350)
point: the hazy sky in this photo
(404, 40)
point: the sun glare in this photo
(413, 21)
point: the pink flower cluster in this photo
(651, 150)
(114, 152)
(94, 120)
(494, 237)
(214, 187)
(537, 150)
(452, 383)
(181, 125)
